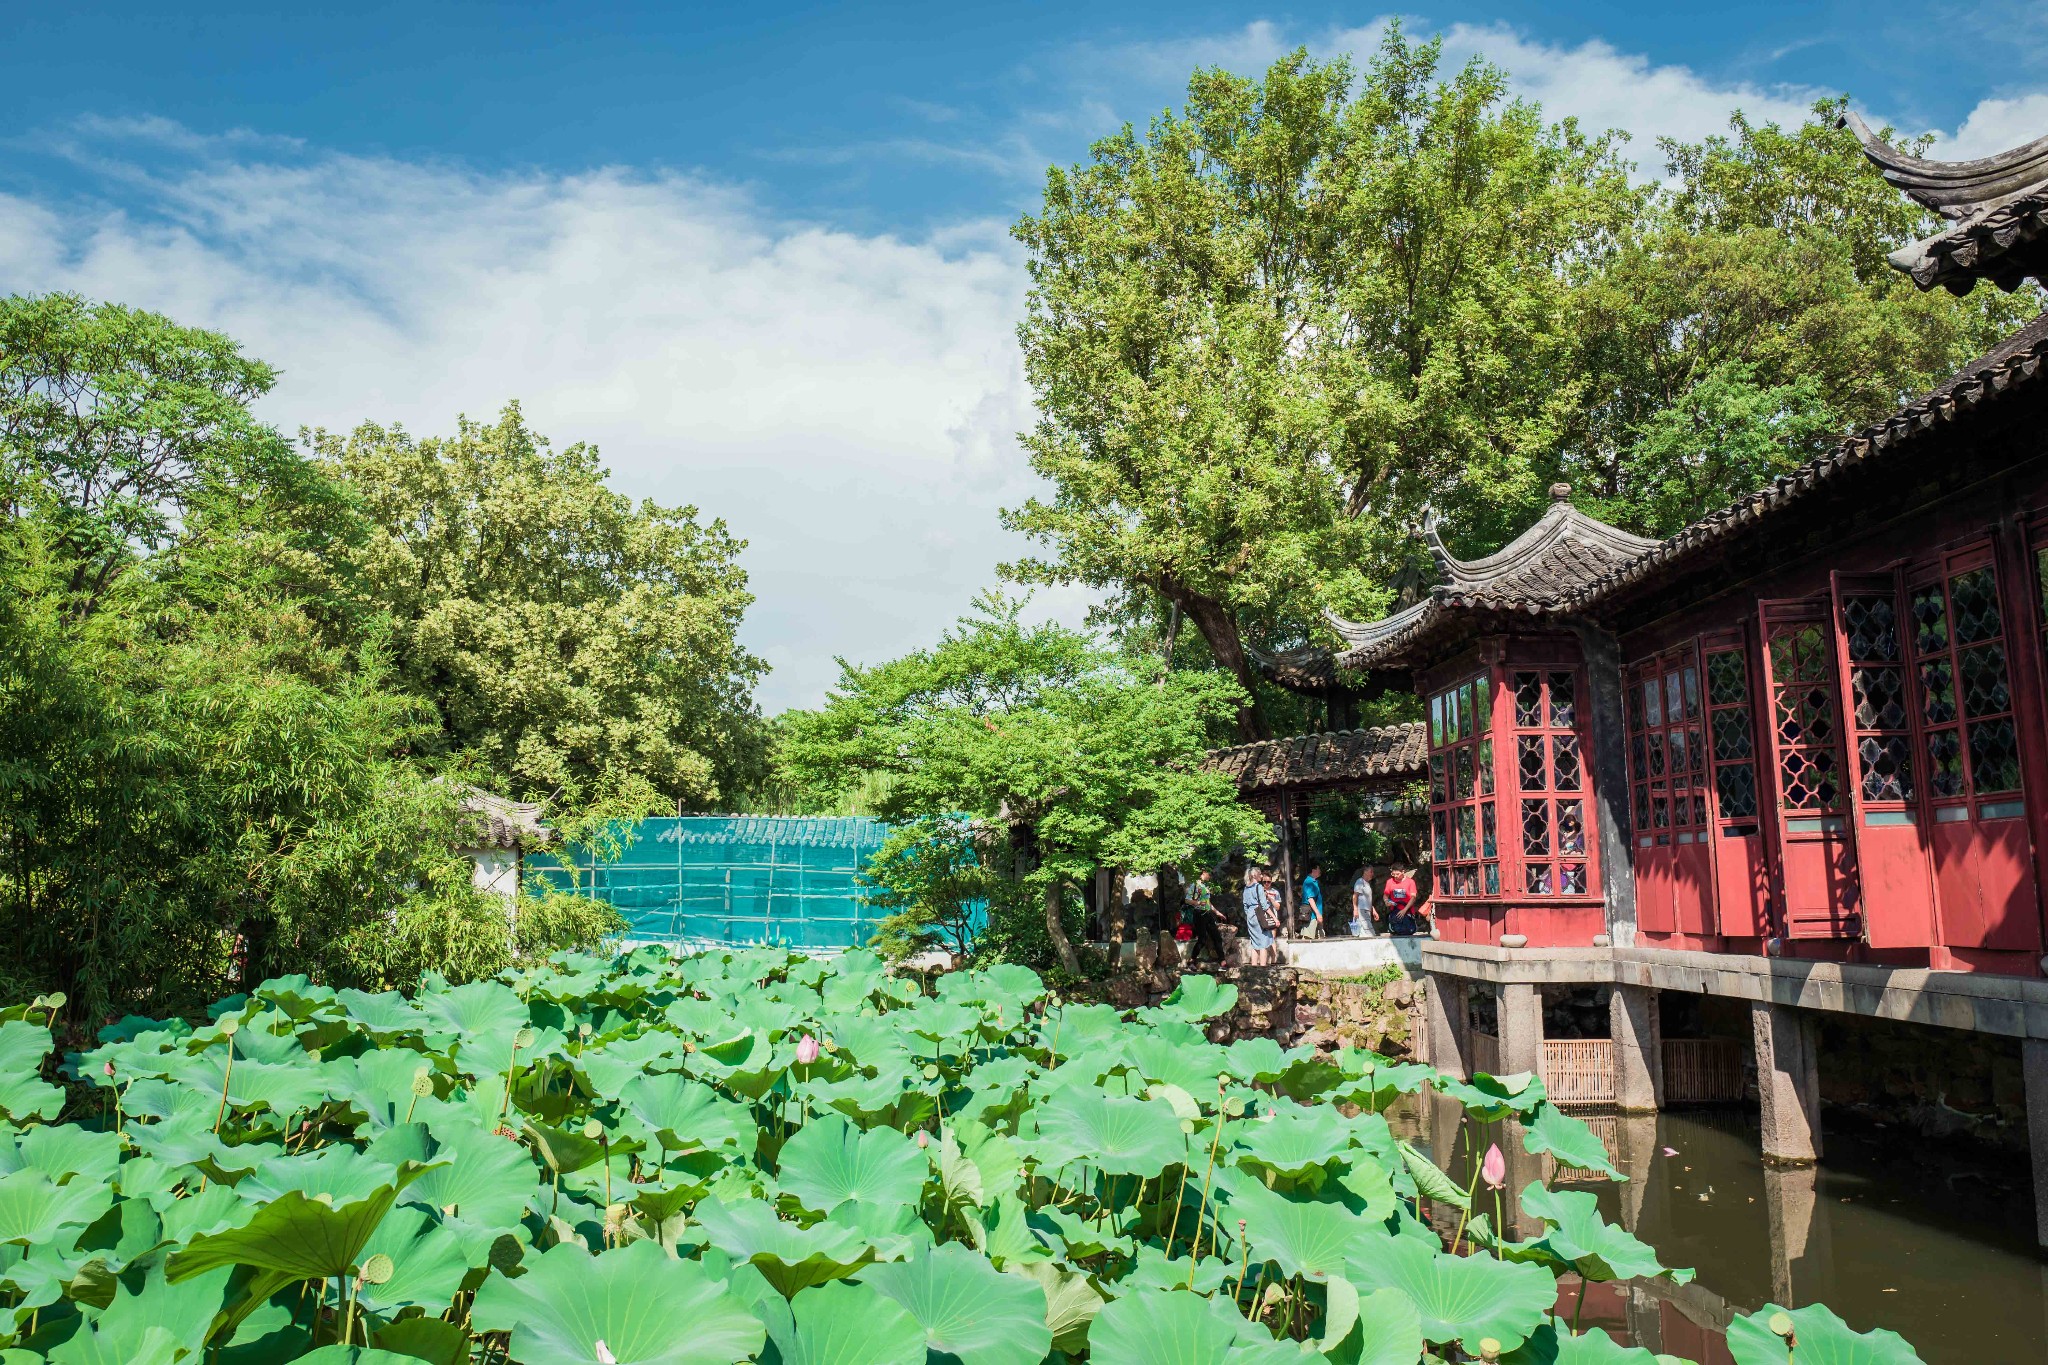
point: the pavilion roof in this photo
(1384, 756)
(1538, 573)
(1997, 207)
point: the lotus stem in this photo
(1470, 1191)
(1245, 1268)
(227, 1078)
(1580, 1306)
(1202, 1210)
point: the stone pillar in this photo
(1638, 1050)
(1444, 1005)
(1635, 1141)
(2034, 1059)
(1645, 1318)
(1521, 1028)
(1788, 1081)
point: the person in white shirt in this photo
(1361, 904)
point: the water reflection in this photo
(1888, 1231)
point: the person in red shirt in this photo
(1403, 899)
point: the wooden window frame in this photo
(1520, 878)
(1970, 799)
(1464, 787)
(1656, 787)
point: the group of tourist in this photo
(1397, 903)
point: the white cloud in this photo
(1996, 125)
(1604, 87)
(847, 403)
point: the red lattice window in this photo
(1667, 751)
(1803, 709)
(1969, 740)
(1551, 824)
(1462, 818)
(1731, 734)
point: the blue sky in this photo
(757, 252)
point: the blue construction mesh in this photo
(738, 879)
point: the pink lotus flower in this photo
(110, 1068)
(924, 1139)
(1494, 1170)
(807, 1050)
(604, 1354)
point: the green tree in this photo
(578, 645)
(1079, 757)
(203, 746)
(1265, 333)
(1752, 319)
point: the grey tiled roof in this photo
(1391, 754)
(1998, 208)
(1536, 574)
(2014, 364)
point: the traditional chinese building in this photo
(1794, 756)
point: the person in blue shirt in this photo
(1312, 901)
(1257, 941)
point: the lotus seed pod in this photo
(523, 1039)
(324, 1198)
(423, 1082)
(593, 1130)
(230, 1026)
(377, 1270)
(1781, 1323)
(583, 1029)
(1233, 1106)
(931, 1073)
(1489, 1350)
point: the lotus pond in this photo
(759, 1156)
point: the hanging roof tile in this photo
(1384, 755)
(1536, 574)
(1998, 208)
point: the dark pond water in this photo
(1889, 1231)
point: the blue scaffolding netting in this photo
(737, 879)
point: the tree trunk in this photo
(1219, 630)
(1056, 930)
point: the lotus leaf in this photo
(24, 1094)
(1116, 1136)
(1198, 998)
(1172, 1327)
(791, 1257)
(646, 1308)
(1461, 1298)
(843, 1324)
(1386, 1329)
(1569, 1140)
(967, 1308)
(1592, 1246)
(828, 1162)
(1554, 1346)
(1822, 1339)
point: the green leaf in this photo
(24, 1094)
(1569, 1140)
(1594, 1247)
(428, 1264)
(1461, 1298)
(647, 1309)
(1071, 1302)
(968, 1308)
(1386, 1331)
(842, 1324)
(431, 1339)
(1822, 1339)
(1431, 1182)
(1114, 1136)
(1301, 1238)
(791, 1257)
(683, 1113)
(1199, 997)
(829, 1162)
(1554, 1346)
(34, 1212)
(1169, 1327)
(293, 1235)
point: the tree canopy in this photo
(1276, 331)
(576, 644)
(1074, 756)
